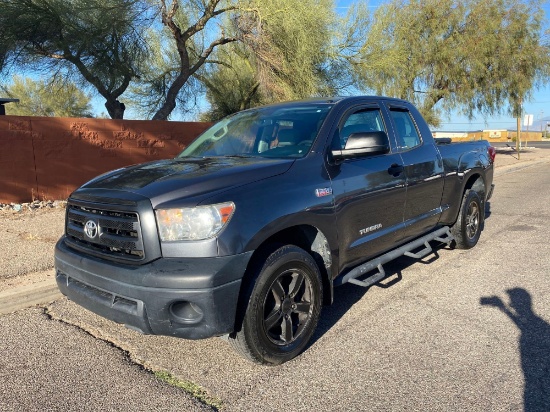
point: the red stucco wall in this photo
(47, 158)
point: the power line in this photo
(492, 122)
(478, 123)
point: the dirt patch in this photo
(27, 240)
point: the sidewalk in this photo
(27, 241)
(507, 157)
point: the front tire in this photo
(467, 228)
(283, 308)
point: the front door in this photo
(369, 192)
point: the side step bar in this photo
(442, 235)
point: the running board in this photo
(442, 235)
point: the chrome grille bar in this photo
(118, 232)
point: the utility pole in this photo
(518, 135)
(527, 121)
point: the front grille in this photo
(116, 234)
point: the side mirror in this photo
(363, 144)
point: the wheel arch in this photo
(477, 183)
(306, 237)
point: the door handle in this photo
(395, 170)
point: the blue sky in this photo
(539, 106)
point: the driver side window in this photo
(363, 120)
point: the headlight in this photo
(195, 223)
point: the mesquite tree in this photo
(96, 42)
(185, 23)
(472, 55)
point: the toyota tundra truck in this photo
(247, 232)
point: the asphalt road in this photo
(47, 365)
(470, 330)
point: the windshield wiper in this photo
(241, 156)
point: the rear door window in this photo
(405, 129)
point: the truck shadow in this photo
(534, 346)
(347, 295)
(487, 209)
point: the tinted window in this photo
(407, 134)
(364, 120)
(272, 131)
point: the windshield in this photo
(282, 132)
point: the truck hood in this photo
(171, 180)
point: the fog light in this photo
(186, 312)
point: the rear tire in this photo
(283, 309)
(467, 227)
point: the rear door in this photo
(423, 170)
(369, 192)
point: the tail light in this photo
(492, 153)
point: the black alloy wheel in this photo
(287, 307)
(472, 220)
(467, 227)
(283, 304)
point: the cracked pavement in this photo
(456, 333)
(49, 365)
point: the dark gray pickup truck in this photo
(249, 229)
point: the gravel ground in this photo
(37, 204)
(27, 240)
(508, 157)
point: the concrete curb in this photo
(519, 166)
(22, 297)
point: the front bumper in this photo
(192, 298)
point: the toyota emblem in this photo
(90, 229)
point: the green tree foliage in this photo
(481, 56)
(161, 67)
(287, 50)
(292, 45)
(99, 41)
(476, 55)
(233, 84)
(47, 98)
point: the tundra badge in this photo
(370, 229)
